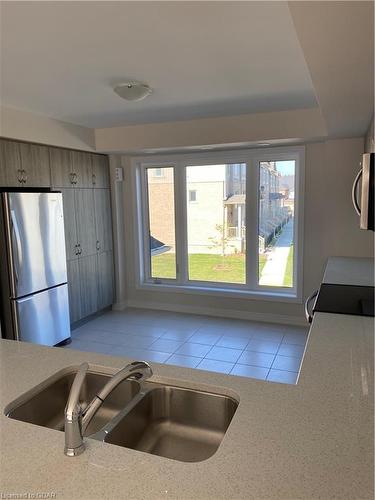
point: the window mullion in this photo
(180, 223)
(146, 225)
(252, 182)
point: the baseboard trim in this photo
(119, 306)
(85, 320)
(211, 311)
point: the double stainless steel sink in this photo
(166, 420)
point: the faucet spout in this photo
(140, 370)
(77, 420)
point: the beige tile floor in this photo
(264, 351)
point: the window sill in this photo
(273, 296)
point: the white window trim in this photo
(181, 284)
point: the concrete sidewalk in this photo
(273, 272)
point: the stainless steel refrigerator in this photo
(34, 302)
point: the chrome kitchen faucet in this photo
(77, 419)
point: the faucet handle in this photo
(72, 408)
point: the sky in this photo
(286, 167)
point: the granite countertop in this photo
(349, 271)
(310, 440)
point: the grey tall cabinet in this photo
(83, 179)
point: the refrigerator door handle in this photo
(15, 236)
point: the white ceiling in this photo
(202, 59)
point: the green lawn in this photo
(205, 267)
(288, 278)
(209, 267)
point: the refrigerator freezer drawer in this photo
(36, 242)
(43, 318)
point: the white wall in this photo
(370, 138)
(302, 124)
(331, 228)
(26, 126)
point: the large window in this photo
(225, 221)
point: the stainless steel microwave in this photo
(365, 206)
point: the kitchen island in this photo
(309, 440)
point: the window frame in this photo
(252, 158)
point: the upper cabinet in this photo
(61, 168)
(82, 169)
(23, 164)
(78, 169)
(70, 168)
(10, 164)
(35, 165)
(100, 171)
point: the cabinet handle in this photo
(73, 178)
(76, 247)
(80, 249)
(20, 178)
(24, 176)
(94, 179)
(98, 245)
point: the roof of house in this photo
(235, 199)
(157, 246)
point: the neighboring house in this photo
(161, 203)
(273, 193)
(216, 215)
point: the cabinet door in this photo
(10, 164)
(74, 290)
(35, 164)
(71, 240)
(103, 219)
(105, 277)
(85, 218)
(88, 273)
(100, 171)
(82, 168)
(61, 168)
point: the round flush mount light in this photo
(133, 91)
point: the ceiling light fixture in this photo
(133, 91)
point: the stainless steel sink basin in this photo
(177, 423)
(44, 405)
(173, 422)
